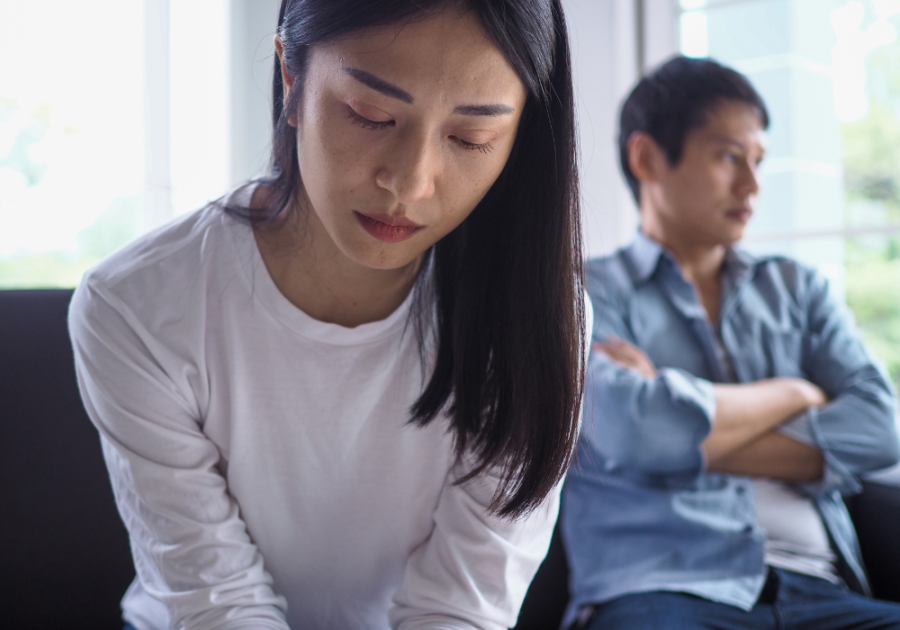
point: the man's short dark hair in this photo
(676, 98)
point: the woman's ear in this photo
(644, 157)
(287, 79)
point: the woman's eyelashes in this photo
(484, 147)
(357, 119)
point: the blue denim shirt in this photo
(640, 512)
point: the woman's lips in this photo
(387, 228)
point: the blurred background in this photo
(119, 115)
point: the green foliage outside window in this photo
(116, 226)
(871, 161)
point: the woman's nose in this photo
(411, 169)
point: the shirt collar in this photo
(643, 257)
(644, 254)
(739, 265)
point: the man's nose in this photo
(749, 179)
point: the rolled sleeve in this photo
(653, 426)
(857, 430)
(836, 476)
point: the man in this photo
(730, 401)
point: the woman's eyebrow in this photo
(483, 110)
(389, 89)
(379, 85)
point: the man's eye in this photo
(356, 119)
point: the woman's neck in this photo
(316, 277)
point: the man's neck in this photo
(700, 264)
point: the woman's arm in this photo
(475, 568)
(191, 549)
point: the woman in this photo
(345, 395)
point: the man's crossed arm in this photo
(743, 439)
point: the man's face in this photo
(710, 195)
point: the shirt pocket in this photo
(783, 352)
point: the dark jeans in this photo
(790, 601)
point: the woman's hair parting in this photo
(506, 286)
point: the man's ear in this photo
(645, 157)
(287, 79)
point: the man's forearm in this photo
(775, 456)
(746, 412)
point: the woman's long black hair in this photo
(507, 282)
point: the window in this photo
(830, 74)
(71, 136)
(118, 115)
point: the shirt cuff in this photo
(804, 428)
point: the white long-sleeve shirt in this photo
(262, 460)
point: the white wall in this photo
(253, 24)
(604, 43)
(207, 123)
(660, 39)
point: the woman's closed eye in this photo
(366, 123)
(484, 147)
(376, 125)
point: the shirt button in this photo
(748, 529)
(740, 490)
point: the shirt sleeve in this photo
(191, 549)
(475, 568)
(652, 426)
(857, 430)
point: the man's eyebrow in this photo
(483, 110)
(731, 141)
(735, 143)
(379, 85)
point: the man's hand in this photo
(627, 355)
(814, 395)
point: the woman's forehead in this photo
(448, 51)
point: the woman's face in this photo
(401, 131)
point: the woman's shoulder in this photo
(180, 239)
(172, 266)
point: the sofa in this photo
(64, 555)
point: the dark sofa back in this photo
(64, 557)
